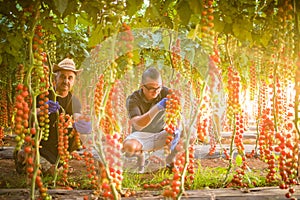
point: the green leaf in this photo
(195, 6)
(136, 57)
(191, 34)
(219, 26)
(51, 26)
(0, 59)
(236, 29)
(96, 36)
(227, 28)
(152, 12)
(184, 12)
(265, 38)
(248, 35)
(15, 41)
(82, 19)
(227, 19)
(92, 12)
(239, 160)
(132, 6)
(71, 22)
(61, 27)
(168, 4)
(61, 5)
(167, 21)
(71, 8)
(12, 51)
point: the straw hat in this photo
(66, 64)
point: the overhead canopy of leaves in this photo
(74, 27)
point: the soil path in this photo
(11, 182)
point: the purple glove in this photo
(83, 127)
(175, 140)
(162, 104)
(53, 106)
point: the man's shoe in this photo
(170, 167)
(141, 168)
(141, 159)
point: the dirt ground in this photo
(10, 179)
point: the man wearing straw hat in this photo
(62, 101)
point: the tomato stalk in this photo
(188, 133)
(231, 152)
(33, 95)
(37, 144)
(98, 144)
(258, 120)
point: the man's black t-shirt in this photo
(70, 105)
(137, 105)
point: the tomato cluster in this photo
(126, 45)
(40, 72)
(173, 109)
(4, 108)
(109, 185)
(183, 171)
(1, 135)
(253, 80)
(233, 86)
(176, 57)
(202, 127)
(91, 167)
(207, 25)
(111, 176)
(22, 109)
(239, 131)
(108, 122)
(43, 115)
(179, 63)
(64, 121)
(98, 94)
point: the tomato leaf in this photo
(239, 160)
(61, 5)
(184, 12)
(133, 6)
(96, 36)
(71, 22)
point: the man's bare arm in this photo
(140, 122)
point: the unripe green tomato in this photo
(22, 136)
(17, 138)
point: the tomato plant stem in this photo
(231, 151)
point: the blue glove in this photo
(53, 106)
(83, 127)
(175, 140)
(162, 104)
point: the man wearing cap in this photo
(62, 101)
(146, 109)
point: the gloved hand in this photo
(175, 140)
(53, 106)
(83, 127)
(162, 104)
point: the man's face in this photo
(151, 88)
(64, 81)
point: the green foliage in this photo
(209, 177)
(239, 160)
(74, 27)
(82, 25)
(133, 6)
